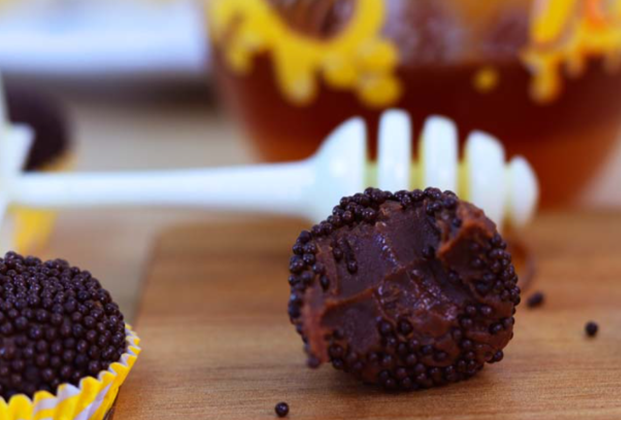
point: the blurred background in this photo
(137, 84)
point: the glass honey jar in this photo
(541, 75)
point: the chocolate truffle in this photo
(47, 119)
(407, 290)
(57, 325)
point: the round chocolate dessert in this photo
(48, 121)
(407, 290)
(57, 325)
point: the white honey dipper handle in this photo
(307, 188)
(235, 189)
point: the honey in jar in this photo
(542, 76)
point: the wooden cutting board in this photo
(218, 344)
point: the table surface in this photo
(218, 344)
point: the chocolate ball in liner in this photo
(57, 325)
(48, 120)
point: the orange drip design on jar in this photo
(564, 34)
(359, 58)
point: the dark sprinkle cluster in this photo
(57, 325)
(403, 360)
(357, 209)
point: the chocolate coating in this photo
(48, 121)
(407, 290)
(57, 325)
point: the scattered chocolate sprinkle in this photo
(535, 300)
(282, 409)
(57, 325)
(591, 329)
(417, 300)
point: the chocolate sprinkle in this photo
(57, 325)
(535, 300)
(282, 409)
(414, 300)
(591, 329)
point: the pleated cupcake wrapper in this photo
(92, 400)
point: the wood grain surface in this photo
(218, 344)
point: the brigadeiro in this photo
(47, 118)
(407, 290)
(58, 326)
(50, 152)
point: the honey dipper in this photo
(507, 192)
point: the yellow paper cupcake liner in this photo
(91, 401)
(33, 227)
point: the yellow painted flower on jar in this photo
(358, 59)
(564, 35)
